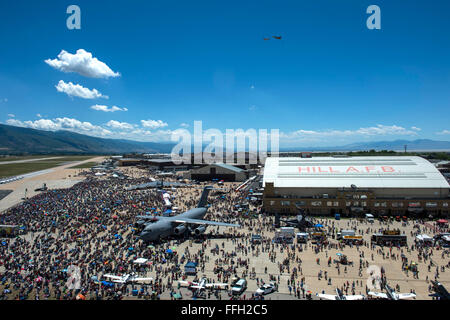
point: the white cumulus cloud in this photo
(443, 132)
(76, 90)
(120, 125)
(83, 63)
(153, 124)
(107, 109)
(379, 130)
(65, 123)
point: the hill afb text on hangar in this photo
(349, 169)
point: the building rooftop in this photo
(229, 167)
(363, 172)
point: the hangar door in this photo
(209, 177)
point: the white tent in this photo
(424, 237)
(140, 261)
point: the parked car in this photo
(239, 287)
(266, 289)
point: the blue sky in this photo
(328, 81)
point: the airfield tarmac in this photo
(59, 177)
(309, 266)
(185, 198)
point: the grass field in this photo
(15, 158)
(42, 156)
(85, 165)
(14, 169)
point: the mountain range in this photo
(396, 145)
(19, 140)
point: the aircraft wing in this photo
(142, 279)
(378, 295)
(354, 297)
(216, 285)
(154, 218)
(207, 222)
(118, 281)
(110, 276)
(403, 296)
(327, 296)
(197, 286)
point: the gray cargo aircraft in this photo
(159, 227)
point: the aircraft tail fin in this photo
(277, 220)
(204, 198)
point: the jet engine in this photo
(180, 229)
(200, 230)
(139, 223)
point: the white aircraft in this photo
(126, 278)
(340, 296)
(391, 294)
(202, 285)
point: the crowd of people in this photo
(90, 228)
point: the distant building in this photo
(125, 162)
(217, 171)
(355, 185)
(156, 164)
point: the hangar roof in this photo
(363, 172)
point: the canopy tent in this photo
(442, 221)
(424, 237)
(190, 267)
(140, 261)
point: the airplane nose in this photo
(145, 234)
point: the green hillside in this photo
(23, 141)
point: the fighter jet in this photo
(162, 227)
(277, 37)
(439, 291)
(299, 222)
(43, 188)
(126, 278)
(340, 296)
(391, 294)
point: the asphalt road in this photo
(27, 160)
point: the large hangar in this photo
(219, 171)
(355, 185)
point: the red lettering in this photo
(320, 170)
(352, 169)
(331, 170)
(369, 168)
(387, 169)
(300, 169)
